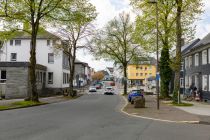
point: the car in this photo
(133, 94)
(109, 91)
(98, 86)
(92, 89)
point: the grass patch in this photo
(70, 98)
(182, 104)
(20, 104)
(124, 95)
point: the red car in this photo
(98, 86)
(112, 84)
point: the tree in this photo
(115, 42)
(145, 24)
(32, 13)
(165, 72)
(98, 76)
(75, 31)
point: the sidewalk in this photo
(198, 108)
(53, 99)
(166, 112)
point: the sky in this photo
(108, 9)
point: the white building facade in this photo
(55, 61)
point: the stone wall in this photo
(17, 82)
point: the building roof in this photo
(104, 72)
(189, 46)
(144, 60)
(203, 42)
(41, 35)
(110, 69)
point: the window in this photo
(3, 76)
(50, 77)
(190, 61)
(150, 74)
(145, 68)
(190, 80)
(186, 81)
(63, 78)
(17, 42)
(204, 57)
(13, 57)
(137, 67)
(50, 57)
(67, 78)
(150, 67)
(209, 55)
(145, 74)
(196, 59)
(11, 42)
(181, 82)
(209, 82)
(182, 66)
(41, 77)
(204, 82)
(141, 68)
(141, 74)
(186, 62)
(137, 74)
(48, 42)
(196, 81)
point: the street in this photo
(91, 117)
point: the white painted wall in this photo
(23, 55)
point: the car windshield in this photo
(136, 91)
(109, 88)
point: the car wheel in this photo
(132, 102)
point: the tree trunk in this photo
(32, 70)
(72, 71)
(178, 50)
(125, 79)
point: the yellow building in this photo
(138, 73)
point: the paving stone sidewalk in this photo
(166, 112)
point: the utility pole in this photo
(157, 52)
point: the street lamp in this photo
(157, 51)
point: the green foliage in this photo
(115, 42)
(165, 72)
(20, 104)
(146, 21)
(182, 104)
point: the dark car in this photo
(133, 94)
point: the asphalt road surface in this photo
(91, 117)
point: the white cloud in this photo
(203, 25)
(107, 10)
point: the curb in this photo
(154, 119)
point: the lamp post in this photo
(157, 51)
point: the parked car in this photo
(133, 94)
(112, 83)
(98, 86)
(92, 89)
(109, 91)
